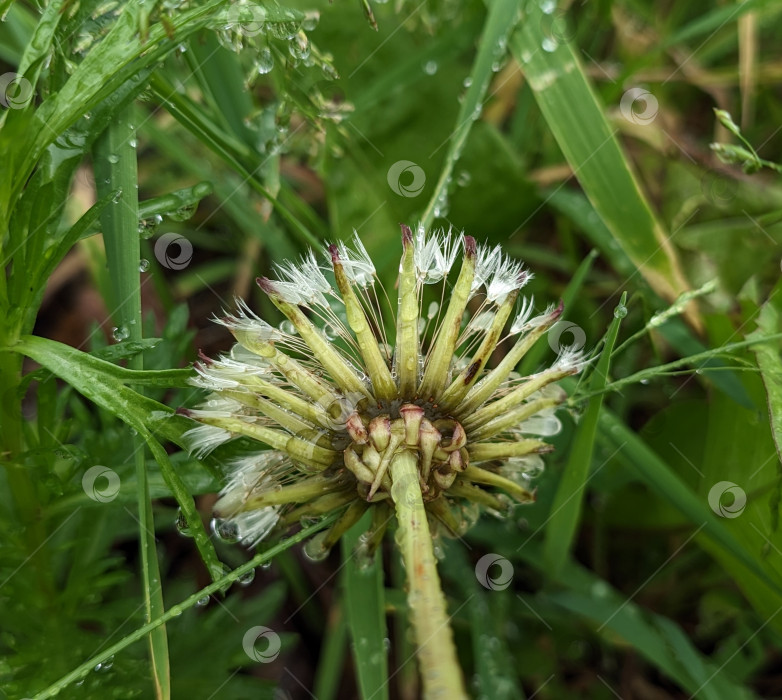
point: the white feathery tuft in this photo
(356, 262)
(434, 254)
(201, 440)
(305, 281)
(522, 319)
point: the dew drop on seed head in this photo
(287, 327)
(120, 333)
(226, 530)
(330, 332)
(620, 311)
(431, 312)
(143, 265)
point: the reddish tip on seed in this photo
(266, 285)
(470, 247)
(207, 360)
(558, 311)
(407, 235)
(523, 278)
(182, 411)
(334, 253)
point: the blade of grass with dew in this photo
(502, 18)
(219, 584)
(365, 610)
(114, 158)
(189, 115)
(656, 473)
(576, 119)
(566, 508)
(85, 373)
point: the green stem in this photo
(440, 671)
(116, 169)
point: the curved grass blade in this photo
(589, 144)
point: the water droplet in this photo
(430, 67)
(265, 61)
(143, 265)
(113, 158)
(431, 312)
(299, 47)
(645, 381)
(202, 602)
(467, 81)
(247, 578)
(120, 333)
(476, 113)
(225, 530)
(310, 21)
(330, 72)
(266, 565)
(314, 548)
(620, 311)
(463, 179)
(548, 6)
(549, 45)
(330, 332)
(117, 195)
(287, 327)
(182, 526)
(183, 213)
(133, 143)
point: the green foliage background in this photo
(152, 118)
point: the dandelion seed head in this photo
(335, 395)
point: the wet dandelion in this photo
(418, 428)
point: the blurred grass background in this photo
(519, 118)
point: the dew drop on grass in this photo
(182, 526)
(548, 6)
(430, 67)
(120, 333)
(113, 158)
(620, 311)
(265, 61)
(549, 45)
(310, 21)
(202, 602)
(247, 578)
(143, 265)
(314, 548)
(463, 179)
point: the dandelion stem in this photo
(440, 671)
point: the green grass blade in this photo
(365, 608)
(767, 354)
(589, 144)
(503, 15)
(566, 508)
(656, 473)
(332, 657)
(116, 171)
(220, 584)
